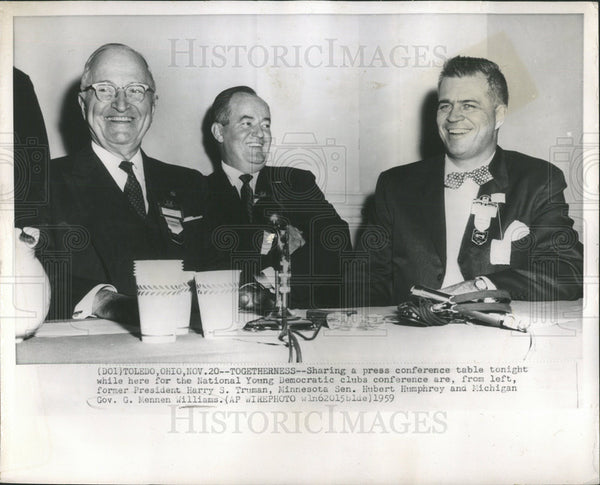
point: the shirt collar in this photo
(109, 158)
(450, 166)
(233, 175)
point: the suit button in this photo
(440, 277)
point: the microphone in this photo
(277, 221)
(511, 321)
(423, 292)
(506, 320)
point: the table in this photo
(58, 408)
(103, 341)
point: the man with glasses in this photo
(111, 204)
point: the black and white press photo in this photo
(313, 242)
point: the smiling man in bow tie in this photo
(479, 217)
(244, 193)
(111, 204)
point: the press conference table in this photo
(555, 332)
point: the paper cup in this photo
(164, 299)
(218, 301)
(182, 319)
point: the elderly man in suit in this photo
(244, 193)
(111, 204)
(479, 217)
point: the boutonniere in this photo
(500, 249)
(258, 196)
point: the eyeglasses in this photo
(105, 91)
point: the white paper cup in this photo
(182, 319)
(218, 301)
(158, 268)
(164, 299)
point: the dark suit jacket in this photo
(31, 152)
(293, 194)
(408, 245)
(92, 233)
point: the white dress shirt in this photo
(233, 175)
(457, 208)
(112, 162)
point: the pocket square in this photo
(500, 249)
(192, 218)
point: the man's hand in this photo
(117, 307)
(295, 238)
(466, 286)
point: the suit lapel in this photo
(432, 206)
(224, 186)
(158, 189)
(469, 251)
(264, 188)
(271, 189)
(226, 202)
(94, 186)
(98, 202)
(226, 199)
(498, 170)
(157, 193)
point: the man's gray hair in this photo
(92, 59)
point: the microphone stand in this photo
(282, 288)
(283, 274)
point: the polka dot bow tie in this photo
(480, 176)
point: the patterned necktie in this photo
(247, 195)
(133, 189)
(480, 176)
